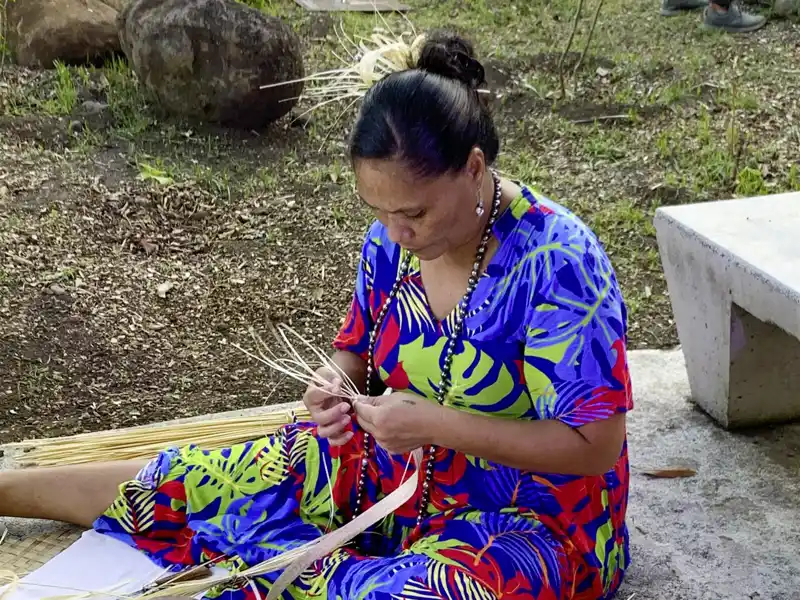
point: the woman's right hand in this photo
(328, 409)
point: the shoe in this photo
(733, 20)
(670, 8)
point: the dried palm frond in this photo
(297, 367)
(8, 583)
(146, 442)
(364, 61)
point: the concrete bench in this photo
(733, 274)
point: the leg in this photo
(492, 557)
(671, 8)
(75, 494)
(239, 505)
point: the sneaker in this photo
(733, 20)
(670, 8)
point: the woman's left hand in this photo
(399, 422)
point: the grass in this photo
(256, 226)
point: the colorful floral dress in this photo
(544, 339)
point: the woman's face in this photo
(428, 216)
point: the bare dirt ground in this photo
(135, 248)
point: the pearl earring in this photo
(479, 210)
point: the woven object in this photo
(24, 555)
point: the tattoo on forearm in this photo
(409, 401)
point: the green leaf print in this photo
(316, 504)
(313, 582)
(243, 473)
(134, 507)
(539, 385)
(431, 547)
(422, 365)
(612, 562)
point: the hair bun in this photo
(451, 56)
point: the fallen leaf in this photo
(164, 288)
(603, 72)
(672, 473)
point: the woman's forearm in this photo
(547, 446)
(354, 366)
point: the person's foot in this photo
(733, 20)
(670, 8)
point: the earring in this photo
(479, 208)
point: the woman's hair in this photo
(431, 116)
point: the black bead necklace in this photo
(449, 352)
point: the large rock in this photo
(786, 8)
(208, 59)
(72, 31)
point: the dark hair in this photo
(430, 116)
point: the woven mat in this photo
(24, 555)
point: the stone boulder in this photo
(72, 31)
(208, 59)
(786, 8)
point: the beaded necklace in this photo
(444, 383)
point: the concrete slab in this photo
(732, 532)
(733, 272)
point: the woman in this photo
(496, 320)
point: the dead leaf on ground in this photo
(671, 473)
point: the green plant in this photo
(157, 173)
(793, 177)
(750, 182)
(65, 94)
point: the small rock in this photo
(164, 289)
(603, 72)
(92, 107)
(3, 191)
(41, 32)
(57, 290)
(148, 247)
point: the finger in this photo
(334, 429)
(319, 396)
(332, 414)
(367, 426)
(369, 400)
(333, 385)
(365, 411)
(315, 398)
